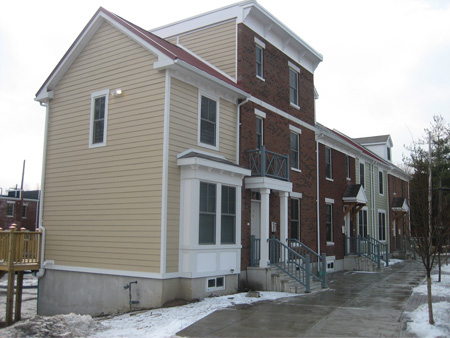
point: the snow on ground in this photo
(166, 322)
(158, 323)
(441, 310)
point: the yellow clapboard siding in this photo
(208, 44)
(90, 222)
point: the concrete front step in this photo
(361, 263)
(282, 282)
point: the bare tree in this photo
(431, 174)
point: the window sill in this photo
(293, 105)
(349, 179)
(330, 243)
(97, 145)
(329, 179)
(296, 170)
(208, 146)
(261, 78)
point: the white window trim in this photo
(260, 113)
(383, 187)
(260, 43)
(295, 129)
(214, 98)
(95, 95)
(261, 77)
(294, 67)
(297, 195)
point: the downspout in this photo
(238, 128)
(318, 192)
(41, 271)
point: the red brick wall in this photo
(276, 135)
(28, 222)
(275, 89)
(334, 190)
(402, 224)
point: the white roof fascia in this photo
(190, 161)
(201, 20)
(281, 36)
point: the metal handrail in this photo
(303, 249)
(368, 247)
(255, 250)
(290, 262)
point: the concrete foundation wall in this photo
(63, 292)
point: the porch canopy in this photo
(354, 199)
(400, 207)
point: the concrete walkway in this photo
(356, 304)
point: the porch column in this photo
(283, 216)
(264, 216)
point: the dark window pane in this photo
(206, 231)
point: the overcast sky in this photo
(386, 67)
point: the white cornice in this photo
(254, 16)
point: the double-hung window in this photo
(10, 209)
(328, 163)
(260, 46)
(380, 182)
(362, 223)
(99, 117)
(259, 132)
(347, 166)
(217, 214)
(228, 218)
(295, 218)
(24, 211)
(293, 87)
(259, 61)
(207, 221)
(381, 226)
(294, 153)
(208, 122)
(361, 174)
(294, 71)
(329, 222)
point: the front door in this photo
(255, 219)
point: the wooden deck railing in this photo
(19, 251)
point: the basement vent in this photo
(330, 263)
(214, 284)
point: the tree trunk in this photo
(430, 303)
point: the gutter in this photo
(238, 127)
(318, 191)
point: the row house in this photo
(190, 151)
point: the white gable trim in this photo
(82, 42)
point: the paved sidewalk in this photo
(356, 304)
